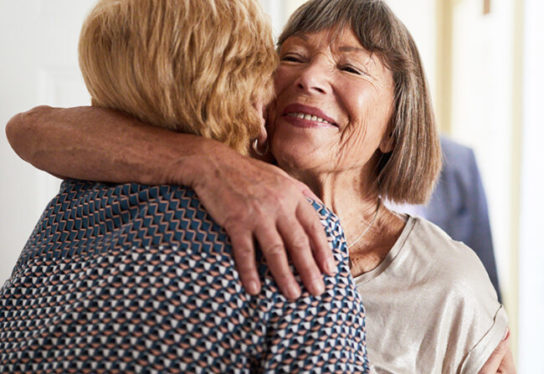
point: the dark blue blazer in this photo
(459, 205)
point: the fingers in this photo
(322, 252)
(497, 359)
(307, 192)
(244, 258)
(299, 236)
(276, 258)
(253, 200)
(507, 365)
(298, 246)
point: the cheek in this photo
(369, 117)
(281, 79)
(372, 110)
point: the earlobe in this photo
(260, 144)
(263, 135)
(260, 149)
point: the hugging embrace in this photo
(231, 174)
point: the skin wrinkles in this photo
(353, 87)
(329, 75)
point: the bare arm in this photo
(80, 142)
(249, 198)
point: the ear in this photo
(262, 135)
(387, 143)
(261, 138)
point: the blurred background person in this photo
(458, 204)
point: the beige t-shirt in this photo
(430, 306)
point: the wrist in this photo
(196, 165)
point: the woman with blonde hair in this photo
(352, 118)
(139, 278)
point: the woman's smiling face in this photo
(333, 105)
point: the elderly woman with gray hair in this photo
(352, 119)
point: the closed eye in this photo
(351, 69)
(291, 58)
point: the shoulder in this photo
(331, 224)
(450, 273)
(456, 277)
(446, 260)
(131, 194)
(444, 289)
(152, 214)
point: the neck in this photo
(348, 195)
(355, 203)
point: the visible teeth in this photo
(309, 117)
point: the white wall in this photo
(531, 251)
(38, 65)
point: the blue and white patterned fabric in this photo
(134, 278)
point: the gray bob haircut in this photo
(407, 173)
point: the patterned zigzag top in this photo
(134, 278)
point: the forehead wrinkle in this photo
(349, 48)
(300, 35)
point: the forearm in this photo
(250, 199)
(100, 144)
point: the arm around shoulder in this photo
(103, 145)
(249, 198)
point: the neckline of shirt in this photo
(391, 255)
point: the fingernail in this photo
(253, 288)
(507, 335)
(331, 266)
(293, 292)
(318, 287)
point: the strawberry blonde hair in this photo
(193, 66)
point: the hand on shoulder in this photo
(257, 202)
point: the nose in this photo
(314, 78)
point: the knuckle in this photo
(234, 224)
(317, 226)
(300, 245)
(243, 254)
(274, 250)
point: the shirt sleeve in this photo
(481, 352)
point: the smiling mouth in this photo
(310, 117)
